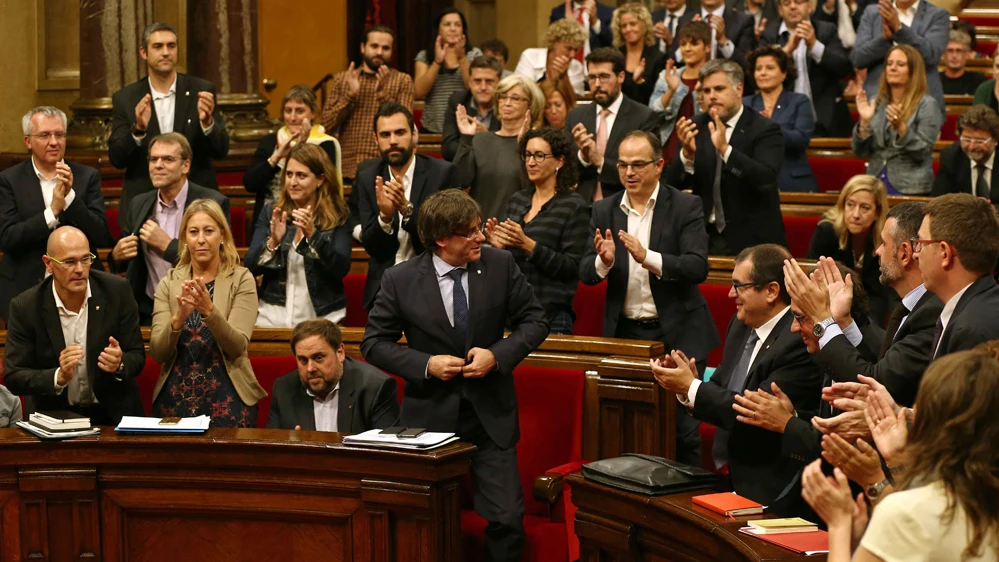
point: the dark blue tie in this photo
(937, 332)
(460, 304)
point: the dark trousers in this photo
(497, 495)
(688, 440)
(717, 246)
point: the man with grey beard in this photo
(968, 166)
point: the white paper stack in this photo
(135, 424)
(375, 438)
(43, 433)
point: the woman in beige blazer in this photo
(203, 318)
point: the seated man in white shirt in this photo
(564, 39)
(330, 391)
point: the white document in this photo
(376, 438)
(135, 423)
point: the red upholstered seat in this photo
(418, 118)
(722, 309)
(589, 305)
(936, 167)
(833, 173)
(987, 48)
(113, 226)
(237, 220)
(268, 369)
(353, 287)
(550, 405)
(229, 178)
(949, 130)
(799, 233)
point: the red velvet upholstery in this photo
(832, 173)
(987, 48)
(229, 178)
(936, 168)
(589, 305)
(113, 226)
(722, 309)
(353, 287)
(112, 182)
(707, 432)
(237, 220)
(550, 403)
(799, 233)
(979, 21)
(949, 130)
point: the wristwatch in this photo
(820, 327)
(137, 131)
(874, 490)
(407, 212)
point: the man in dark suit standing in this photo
(957, 250)
(453, 304)
(968, 166)
(165, 101)
(484, 73)
(733, 33)
(736, 155)
(814, 45)
(904, 353)
(651, 246)
(41, 194)
(73, 340)
(597, 128)
(760, 350)
(150, 232)
(592, 15)
(330, 391)
(390, 194)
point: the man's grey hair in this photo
(46, 110)
(731, 69)
(958, 36)
(153, 28)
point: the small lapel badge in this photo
(478, 272)
(187, 93)
(98, 307)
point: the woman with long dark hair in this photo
(443, 68)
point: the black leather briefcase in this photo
(645, 474)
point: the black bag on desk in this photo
(645, 474)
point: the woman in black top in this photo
(547, 224)
(634, 35)
(850, 232)
(263, 177)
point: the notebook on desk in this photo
(728, 504)
(814, 542)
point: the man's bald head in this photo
(67, 239)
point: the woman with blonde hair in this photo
(850, 232)
(557, 59)
(634, 34)
(301, 245)
(941, 503)
(896, 132)
(489, 162)
(202, 322)
(559, 101)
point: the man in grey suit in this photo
(150, 232)
(330, 391)
(597, 128)
(924, 26)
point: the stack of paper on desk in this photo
(43, 433)
(375, 438)
(134, 424)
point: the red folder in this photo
(728, 504)
(815, 542)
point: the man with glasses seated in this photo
(969, 166)
(41, 194)
(649, 242)
(73, 340)
(597, 128)
(149, 239)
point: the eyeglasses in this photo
(799, 318)
(637, 166)
(86, 261)
(605, 78)
(979, 142)
(786, 3)
(45, 137)
(481, 229)
(918, 245)
(504, 97)
(165, 159)
(538, 157)
(736, 285)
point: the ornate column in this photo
(222, 42)
(110, 33)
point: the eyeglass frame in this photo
(71, 264)
(165, 159)
(534, 156)
(602, 78)
(799, 318)
(736, 285)
(976, 142)
(917, 244)
(45, 137)
(471, 235)
(500, 98)
(637, 166)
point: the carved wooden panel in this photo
(58, 37)
(636, 415)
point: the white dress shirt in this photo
(676, 27)
(947, 312)
(763, 332)
(614, 108)
(729, 47)
(802, 85)
(74, 330)
(533, 64)
(326, 409)
(906, 16)
(48, 190)
(974, 173)
(910, 301)
(166, 109)
(405, 250)
(638, 301)
(688, 165)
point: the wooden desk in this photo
(246, 494)
(615, 526)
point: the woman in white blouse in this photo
(946, 471)
(301, 244)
